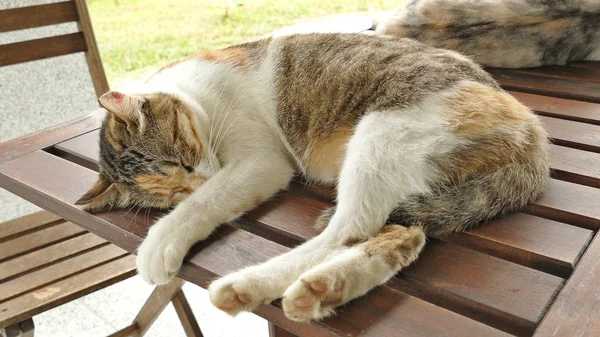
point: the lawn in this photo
(135, 36)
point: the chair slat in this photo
(579, 111)
(57, 293)
(37, 16)
(26, 223)
(38, 49)
(549, 86)
(38, 239)
(60, 270)
(48, 255)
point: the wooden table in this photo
(535, 273)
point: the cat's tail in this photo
(503, 33)
(461, 206)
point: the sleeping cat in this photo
(503, 33)
(417, 140)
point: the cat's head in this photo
(152, 152)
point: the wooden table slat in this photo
(579, 111)
(576, 166)
(575, 312)
(215, 256)
(538, 84)
(569, 203)
(293, 215)
(565, 72)
(577, 135)
(538, 243)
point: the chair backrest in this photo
(52, 14)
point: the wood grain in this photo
(186, 315)
(578, 111)
(51, 254)
(92, 55)
(27, 224)
(38, 49)
(39, 239)
(61, 270)
(538, 243)
(21, 146)
(575, 312)
(579, 74)
(444, 267)
(577, 135)
(215, 256)
(576, 166)
(548, 86)
(275, 331)
(156, 303)
(37, 16)
(569, 203)
(55, 294)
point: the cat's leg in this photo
(225, 196)
(386, 161)
(382, 166)
(352, 273)
(252, 286)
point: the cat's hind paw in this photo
(312, 298)
(234, 293)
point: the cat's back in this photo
(324, 81)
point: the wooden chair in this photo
(46, 261)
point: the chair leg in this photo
(186, 316)
(158, 301)
(275, 331)
(22, 329)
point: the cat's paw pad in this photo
(234, 294)
(159, 257)
(312, 298)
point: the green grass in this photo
(138, 35)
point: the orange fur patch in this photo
(498, 124)
(478, 109)
(168, 185)
(327, 156)
(233, 55)
(399, 245)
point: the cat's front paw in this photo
(161, 254)
(313, 297)
(240, 292)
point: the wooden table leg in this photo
(158, 301)
(186, 316)
(275, 331)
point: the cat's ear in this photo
(102, 194)
(127, 109)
